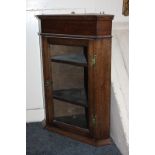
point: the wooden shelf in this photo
(73, 96)
(76, 120)
(74, 59)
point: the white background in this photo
(108, 6)
(12, 79)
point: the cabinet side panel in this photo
(102, 77)
(47, 78)
(104, 27)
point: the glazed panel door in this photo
(68, 83)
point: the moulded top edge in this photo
(77, 16)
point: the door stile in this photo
(91, 109)
(47, 81)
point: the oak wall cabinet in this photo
(76, 59)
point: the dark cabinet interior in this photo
(69, 74)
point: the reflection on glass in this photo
(69, 73)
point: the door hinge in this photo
(48, 83)
(93, 60)
(94, 120)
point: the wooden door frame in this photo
(88, 136)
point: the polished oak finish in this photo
(93, 33)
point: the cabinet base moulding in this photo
(83, 139)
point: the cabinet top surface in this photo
(77, 16)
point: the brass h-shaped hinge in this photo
(47, 83)
(93, 60)
(94, 120)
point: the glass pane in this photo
(69, 73)
(70, 114)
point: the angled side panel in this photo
(102, 85)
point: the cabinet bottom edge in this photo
(83, 139)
